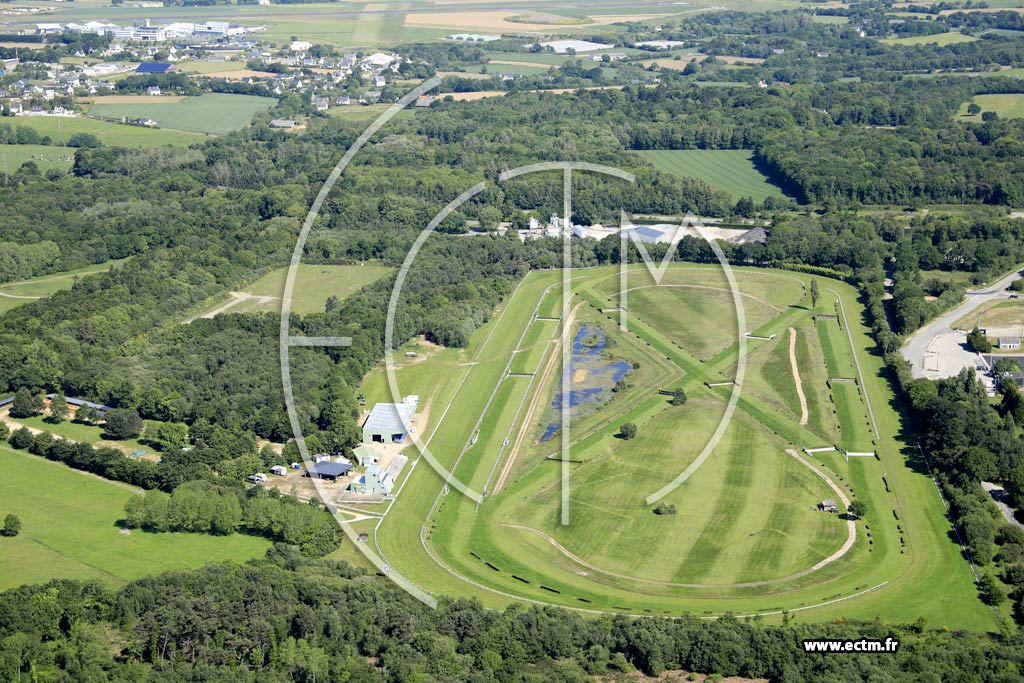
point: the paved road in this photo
(999, 497)
(937, 351)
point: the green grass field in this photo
(14, 294)
(86, 433)
(215, 113)
(744, 516)
(69, 530)
(838, 355)
(44, 156)
(60, 129)
(1008, 106)
(314, 284)
(731, 170)
(534, 346)
(950, 38)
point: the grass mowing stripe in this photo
(733, 171)
(836, 347)
(701, 558)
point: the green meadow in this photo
(70, 530)
(14, 294)
(43, 156)
(60, 129)
(215, 113)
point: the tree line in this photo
(290, 618)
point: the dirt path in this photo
(851, 537)
(796, 377)
(16, 296)
(531, 412)
(236, 298)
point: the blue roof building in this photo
(153, 68)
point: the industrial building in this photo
(388, 423)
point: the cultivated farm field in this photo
(728, 169)
(209, 113)
(949, 38)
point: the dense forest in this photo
(286, 618)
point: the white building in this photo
(378, 60)
(563, 46)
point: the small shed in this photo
(331, 471)
(365, 455)
(828, 505)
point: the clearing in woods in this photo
(744, 535)
(1008, 106)
(731, 170)
(60, 129)
(314, 285)
(14, 294)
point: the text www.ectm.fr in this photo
(890, 645)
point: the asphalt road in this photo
(937, 351)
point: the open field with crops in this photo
(950, 38)
(730, 170)
(209, 113)
(69, 530)
(743, 534)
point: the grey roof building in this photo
(387, 422)
(328, 470)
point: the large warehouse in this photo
(387, 422)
